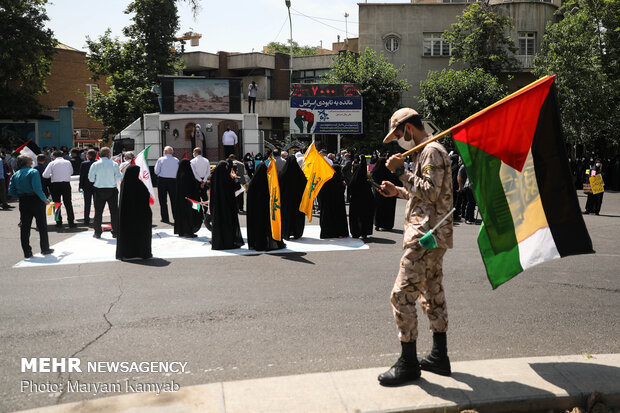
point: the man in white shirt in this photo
(59, 172)
(166, 170)
(252, 91)
(229, 140)
(202, 169)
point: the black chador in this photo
(333, 209)
(292, 184)
(226, 234)
(135, 218)
(362, 204)
(385, 207)
(187, 220)
(259, 213)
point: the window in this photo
(392, 43)
(434, 45)
(90, 90)
(527, 43)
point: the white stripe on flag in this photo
(537, 248)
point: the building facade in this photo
(409, 34)
(70, 80)
(271, 72)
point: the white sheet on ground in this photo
(83, 248)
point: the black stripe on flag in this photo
(555, 184)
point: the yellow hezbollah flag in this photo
(274, 201)
(317, 172)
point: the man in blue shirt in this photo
(26, 185)
(104, 175)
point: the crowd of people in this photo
(220, 193)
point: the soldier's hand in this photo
(388, 189)
(395, 162)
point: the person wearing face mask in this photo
(428, 189)
(594, 202)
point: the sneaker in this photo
(47, 251)
(27, 254)
(469, 222)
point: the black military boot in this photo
(406, 368)
(438, 361)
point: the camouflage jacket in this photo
(429, 191)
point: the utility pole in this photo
(290, 79)
(346, 26)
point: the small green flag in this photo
(428, 241)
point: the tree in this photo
(479, 40)
(380, 87)
(583, 50)
(131, 67)
(26, 52)
(450, 96)
(298, 50)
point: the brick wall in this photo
(67, 81)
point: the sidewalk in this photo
(503, 385)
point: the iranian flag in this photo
(516, 160)
(29, 148)
(195, 204)
(145, 173)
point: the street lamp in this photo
(290, 79)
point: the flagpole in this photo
(426, 142)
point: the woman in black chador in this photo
(333, 210)
(259, 213)
(226, 233)
(362, 204)
(385, 207)
(187, 220)
(292, 184)
(135, 218)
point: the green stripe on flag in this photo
(497, 239)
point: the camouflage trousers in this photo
(419, 279)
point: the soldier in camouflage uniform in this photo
(428, 189)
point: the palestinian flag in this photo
(29, 148)
(145, 174)
(195, 204)
(57, 211)
(516, 160)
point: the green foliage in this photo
(26, 50)
(450, 96)
(583, 49)
(479, 39)
(130, 68)
(380, 87)
(298, 50)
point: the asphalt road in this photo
(265, 315)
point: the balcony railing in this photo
(526, 61)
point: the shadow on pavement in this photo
(375, 240)
(600, 377)
(295, 256)
(151, 262)
(482, 388)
